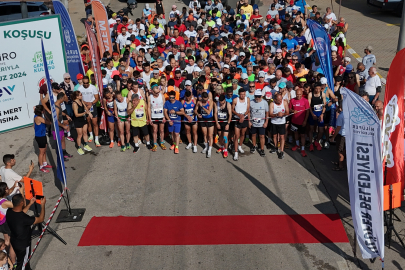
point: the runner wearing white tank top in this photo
(278, 111)
(155, 105)
(241, 111)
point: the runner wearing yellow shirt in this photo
(248, 9)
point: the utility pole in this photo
(24, 9)
(401, 39)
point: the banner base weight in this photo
(75, 216)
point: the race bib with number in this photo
(173, 115)
(139, 113)
(222, 116)
(190, 112)
(257, 121)
(293, 128)
(318, 107)
(158, 111)
(120, 110)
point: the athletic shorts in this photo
(313, 122)
(123, 118)
(190, 123)
(176, 127)
(137, 130)
(255, 130)
(157, 120)
(111, 118)
(298, 128)
(61, 134)
(240, 125)
(223, 125)
(41, 141)
(326, 117)
(340, 144)
(210, 122)
(278, 129)
(94, 112)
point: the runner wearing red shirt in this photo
(178, 78)
(299, 107)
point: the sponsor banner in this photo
(22, 66)
(323, 49)
(364, 172)
(103, 29)
(60, 163)
(74, 61)
(393, 122)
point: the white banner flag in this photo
(364, 172)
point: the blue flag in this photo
(60, 164)
(323, 49)
(74, 61)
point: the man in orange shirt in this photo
(260, 84)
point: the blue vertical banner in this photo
(74, 61)
(323, 49)
(60, 163)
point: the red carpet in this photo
(213, 230)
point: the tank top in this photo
(60, 118)
(133, 93)
(222, 114)
(62, 105)
(276, 110)
(351, 86)
(241, 107)
(204, 114)
(156, 106)
(40, 130)
(122, 107)
(138, 116)
(2, 212)
(316, 103)
(189, 109)
(80, 109)
(110, 105)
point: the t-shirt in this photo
(369, 61)
(258, 112)
(176, 106)
(88, 93)
(371, 85)
(340, 122)
(9, 177)
(291, 44)
(299, 105)
(20, 227)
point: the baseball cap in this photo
(273, 5)
(55, 86)
(302, 80)
(172, 15)
(369, 48)
(226, 66)
(326, 26)
(235, 81)
(340, 25)
(79, 76)
(174, 6)
(291, 33)
(239, 33)
(244, 76)
(173, 40)
(242, 54)
(333, 49)
(349, 68)
(130, 26)
(196, 69)
(279, 50)
(323, 80)
(268, 16)
(156, 71)
(188, 82)
(258, 93)
(233, 69)
(124, 75)
(151, 40)
(128, 42)
(262, 74)
(341, 35)
(289, 84)
(282, 85)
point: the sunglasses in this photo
(350, 77)
(67, 79)
(86, 83)
(172, 97)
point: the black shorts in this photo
(208, 124)
(326, 117)
(157, 121)
(298, 128)
(278, 129)
(240, 125)
(223, 126)
(5, 229)
(41, 141)
(94, 112)
(136, 131)
(341, 144)
(190, 123)
(255, 130)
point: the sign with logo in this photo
(22, 67)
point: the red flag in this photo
(91, 38)
(103, 29)
(393, 122)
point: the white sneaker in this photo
(204, 151)
(240, 149)
(326, 145)
(189, 146)
(235, 156)
(195, 149)
(208, 153)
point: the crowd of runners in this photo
(227, 76)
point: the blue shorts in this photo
(313, 122)
(175, 127)
(111, 118)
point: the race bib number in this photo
(120, 110)
(222, 116)
(91, 109)
(257, 121)
(190, 112)
(293, 128)
(63, 106)
(172, 115)
(158, 111)
(318, 107)
(139, 113)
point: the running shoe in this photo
(273, 150)
(189, 146)
(261, 152)
(311, 147)
(176, 150)
(318, 146)
(111, 144)
(80, 151)
(303, 153)
(70, 138)
(154, 148)
(281, 155)
(47, 166)
(253, 149)
(216, 139)
(225, 153)
(162, 145)
(195, 149)
(220, 150)
(172, 147)
(136, 148)
(87, 148)
(204, 151)
(235, 156)
(67, 155)
(123, 148)
(97, 143)
(90, 139)
(128, 146)
(44, 170)
(326, 145)
(294, 148)
(208, 153)
(241, 150)
(149, 146)
(119, 143)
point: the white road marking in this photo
(351, 51)
(359, 59)
(342, 265)
(312, 190)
